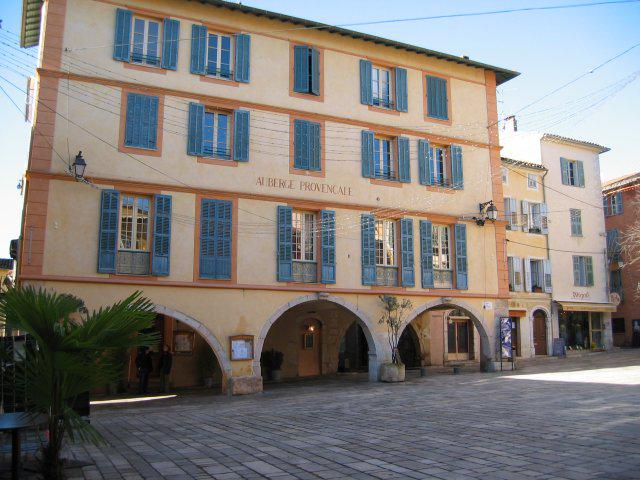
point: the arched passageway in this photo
(316, 335)
(197, 357)
(448, 333)
(409, 348)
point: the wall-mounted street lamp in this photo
(78, 167)
(488, 211)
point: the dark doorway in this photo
(354, 350)
(540, 332)
(409, 348)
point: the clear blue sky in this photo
(549, 48)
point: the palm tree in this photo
(72, 353)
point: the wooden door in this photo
(540, 333)
(458, 340)
(310, 349)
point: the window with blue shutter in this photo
(572, 172)
(141, 129)
(582, 271)
(426, 253)
(306, 145)
(327, 217)
(575, 216)
(146, 41)
(284, 255)
(367, 137)
(243, 58)
(195, 129)
(366, 90)
(402, 98)
(306, 70)
(215, 239)
(461, 256)
(406, 244)
(368, 254)
(425, 163)
(404, 161)
(437, 101)
(457, 176)
(161, 235)
(108, 231)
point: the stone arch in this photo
(486, 343)
(376, 348)
(212, 341)
(548, 326)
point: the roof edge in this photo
(574, 141)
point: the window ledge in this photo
(308, 173)
(441, 189)
(387, 110)
(221, 81)
(144, 68)
(217, 161)
(443, 121)
(307, 96)
(386, 183)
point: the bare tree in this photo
(630, 241)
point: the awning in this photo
(587, 307)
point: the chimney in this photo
(510, 124)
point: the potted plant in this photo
(272, 360)
(206, 360)
(394, 311)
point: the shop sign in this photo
(580, 295)
(304, 186)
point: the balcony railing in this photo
(442, 279)
(132, 263)
(385, 174)
(305, 272)
(384, 103)
(387, 276)
(224, 73)
(223, 153)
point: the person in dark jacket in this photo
(166, 361)
(145, 366)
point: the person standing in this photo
(166, 361)
(144, 365)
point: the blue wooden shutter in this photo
(588, 266)
(367, 153)
(367, 226)
(315, 163)
(285, 233)
(457, 177)
(426, 253)
(141, 127)
(579, 174)
(241, 132)
(161, 234)
(606, 206)
(461, 256)
(564, 168)
(207, 238)
(122, 41)
(223, 239)
(404, 160)
(425, 164)
(327, 217)
(215, 239)
(402, 98)
(170, 44)
(366, 92)
(198, 49)
(315, 71)
(437, 102)
(196, 126)
(301, 144)
(152, 136)
(108, 232)
(243, 58)
(406, 243)
(546, 271)
(301, 69)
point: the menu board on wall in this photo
(241, 347)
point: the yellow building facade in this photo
(528, 263)
(263, 184)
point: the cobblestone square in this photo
(567, 419)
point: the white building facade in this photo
(581, 309)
